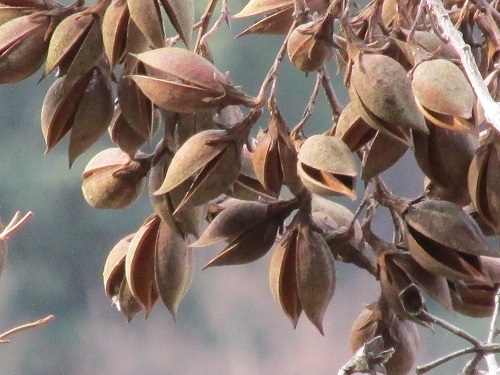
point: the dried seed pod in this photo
(347, 246)
(126, 302)
(352, 129)
(112, 180)
(276, 23)
(445, 156)
(23, 46)
(478, 300)
(212, 159)
(84, 106)
(76, 44)
(114, 30)
(181, 15)
(275, 157)
(308, 47)
(443, 239)
(302, 274)
(187, 220)
(123, 135)
(382, 93)
(182, 81)
(443, 94)
(139, 264)
(173, 267)
(147, 16)
(258, 7)
(399, 334)
(483, 182)
(114, 267)
(326, 166)
(8, 13)
(249, 228)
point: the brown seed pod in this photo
(23, 46)
(181, 15)
(443, 94)
(84, 106)
(326, 166)
(173, 267)
(249, 228)
(182, 81)
(483, 182)
(443, 239)
(76, 44)
(275, 158)
(139, 264)
(382, 92)
(302, 274)
(352, 129)
(399, 334)
(445, 156)
(307, 49)
(114, 267)
(112, 180)
(146, 15)
(114, 30)
(123, 135)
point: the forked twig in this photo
(24, 327)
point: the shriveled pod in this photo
(478, 300)
(302, 274)
(182, 81)
(326, 166)
(399, 334)
(249, 228)
(83, 106)
(23, 46)
(484, 182)
(443, 94)
(443, 239)
(445, 156)
(307, 47)
(112, 180)
(381, 90)
(76, 44)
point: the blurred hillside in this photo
(229, 323)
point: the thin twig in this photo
(205, 22)
(490, 358)
(26, 326)
(331, 96)
(454, 37)
(15, 224)
(309, 107)
(490, 348)
(224, 16)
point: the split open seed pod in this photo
(112, 180)
(23, 46)
(399, 334)
(146, 15)
(249, 228)
(211, 160)
(445, 156)
(352, 129)
(326, 166)
(445, 240)
(182, 81)
(275, 158)
(83, 106)
(309, 46)
(302, 274)
(187, 220)
(443, 94)
(123, 135)
(346, 246)
(114, 267)
(484, 183)
(76, 44)
(478, 300)
(381, 91)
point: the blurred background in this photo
(228, 324)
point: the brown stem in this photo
(15, 224)
(26, 326)
(334, 102)
(205, 22)
(309, 107)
